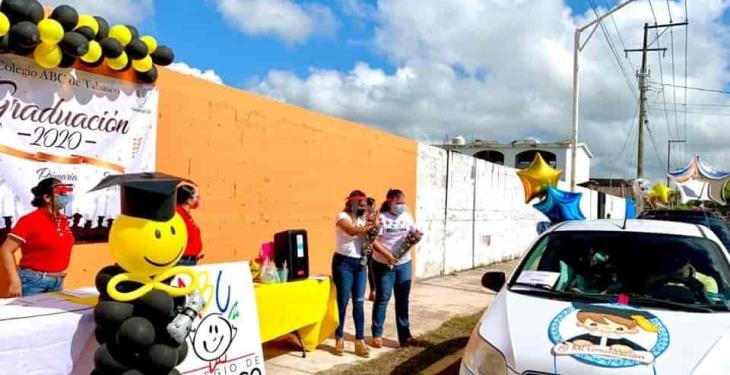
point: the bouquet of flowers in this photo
(414, 236)
(367, 246)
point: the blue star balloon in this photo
(560, 205)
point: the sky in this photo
(486, 69)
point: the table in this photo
(307, 308)
(45, 334)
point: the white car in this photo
(595, 297)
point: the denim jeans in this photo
(387, 282)
(187, 261)
(350, 278)
(34, 283)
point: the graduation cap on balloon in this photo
(150, 195)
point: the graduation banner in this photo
(75, 126)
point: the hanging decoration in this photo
(538, 177)
(700, 181)
(541, 180)
(66, 38)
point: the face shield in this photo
(62, 201)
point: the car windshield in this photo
(657, 270)
(716, 224)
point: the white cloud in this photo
(502, 69)
(291, 22)
(184, 68)
(117, 11)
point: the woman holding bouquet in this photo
(392, 266)
(348, 272)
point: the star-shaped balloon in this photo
(560, 205)
(661, 193)
(538, 177)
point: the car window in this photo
(690, 270)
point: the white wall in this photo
(474, 213)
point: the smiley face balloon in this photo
(146, 246)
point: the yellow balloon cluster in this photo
(660, 193)
(537, 177)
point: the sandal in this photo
(361, 349)
(339, 346)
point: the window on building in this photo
(523, 159)
(495, 157)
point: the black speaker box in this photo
(291, 246)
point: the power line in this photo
(661, 69)
(674, 81)
(686, 55)
(612, 47)
(653, 142)
(620, 38)
(695, 88)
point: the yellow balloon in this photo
(121, 33)
(151, 43)
(661, 193)
(147, 247)
(144, 65)
(94, 53)
(118, 63)
(51, 31)
(47, 55)
(4, 24)
(90, 21)
(537, 177)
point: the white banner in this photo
(225, 337)
(73, 125)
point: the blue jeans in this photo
(388, 281)
(187, 261)
(33, 283)
(350, 278)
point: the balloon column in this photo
(66, 36)
(141, 327)
(541, 180)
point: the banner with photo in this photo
(75, 126)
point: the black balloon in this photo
(182, 352)
(111, 314)
(136, 334)
(35, 11)
(173, 372)
(111, 48)
(134, 31)
(105, 361)
(102, 336)
(160, 359)
(104, 275)
(132, 372)
(87, 32)
(68, 61)
(67, 16)
(148, 77)
(155, 305)
(103, 32)
(24, 35)
(22, 10)
(163, 56)
(137, 49)
(5, 43)
(74, 44)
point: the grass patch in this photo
(447, 339)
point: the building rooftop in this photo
(459, 143)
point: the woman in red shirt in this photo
(188, 200)
(45, 241)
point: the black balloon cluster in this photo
(133, 336)
(67, 36)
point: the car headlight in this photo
(482, 358)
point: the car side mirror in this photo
(494, 280)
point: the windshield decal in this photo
(608, 335)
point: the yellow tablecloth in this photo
(308, 307)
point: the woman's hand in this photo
(15, 289)
(391, 259)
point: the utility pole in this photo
(643, 76)
(669, 154)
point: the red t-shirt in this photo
(47, 241)
(195, 242)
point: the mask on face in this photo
(195, 204)
(360, 212)
(62, 201)
(399, 208)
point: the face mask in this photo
(360, 212)
(195, 204)
(399, 208)
(62, 201)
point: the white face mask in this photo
(399, 208)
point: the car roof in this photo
(637, 226)
(680, 213)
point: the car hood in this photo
(538, 334)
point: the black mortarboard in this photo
(626, 313)
(145, 195)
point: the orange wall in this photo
(263, 167)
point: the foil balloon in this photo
(560, 205)
(661, 193)
(538, 177)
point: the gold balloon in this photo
(121, 33)
(94, 53)
(661, 193)
(151, 43)
(51, 31)
(4, 24)
(537, 177)
(144, 65)
(47, 55)
(90, 21)
(118, 63)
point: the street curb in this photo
(445, 366)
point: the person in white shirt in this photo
(393, 275)
(349, 275)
